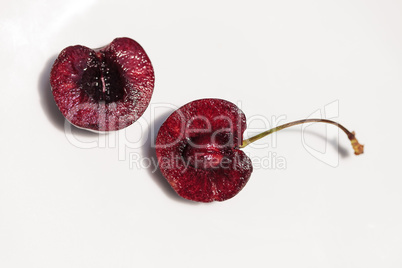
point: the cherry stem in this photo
(351, 135)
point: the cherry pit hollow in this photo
(198, 147)
(103, 89)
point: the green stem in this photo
(357, 147)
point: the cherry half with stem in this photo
(199, 149)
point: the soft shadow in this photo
(342, 151)
(49, 105)
(46, 97)
(148, 150)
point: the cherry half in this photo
(198, 149)
(103, 89)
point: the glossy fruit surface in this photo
(103, 89)
(198, 150)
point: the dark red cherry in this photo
(198, 149)
(103, 89)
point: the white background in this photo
(62, 205)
